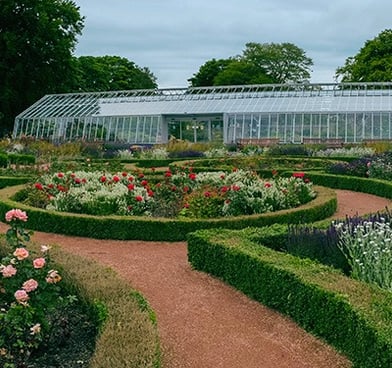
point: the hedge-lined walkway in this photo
(203, 322)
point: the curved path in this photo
(204, 323)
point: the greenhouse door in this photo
(200, 129)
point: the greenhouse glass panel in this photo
(341, 121)
(306, 126)
(385, 126)
(376, 126)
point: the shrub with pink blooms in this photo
(29, 294)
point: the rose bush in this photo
(29, 293)
(181, 193)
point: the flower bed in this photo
(181, 194)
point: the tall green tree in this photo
(37, 39)
(241, 72)
(373, 62)
(283, 63)
(208, 71)
(258, 64)
(110, 73)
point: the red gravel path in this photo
(204, 323)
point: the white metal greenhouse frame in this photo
(288, 113)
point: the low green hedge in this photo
(257, 163)
(16, 158)
(21, 159)
(377, 187)
(352, 316)
(160, 229)
(8, 181)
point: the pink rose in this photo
(30, 285)
(39, 262)
(21, 296)
(15, 214)
(8, 271)
(21, 253)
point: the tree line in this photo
(38, 39)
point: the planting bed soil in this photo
(202, 321)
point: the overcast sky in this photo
(173, 38)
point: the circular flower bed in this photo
(183, 194)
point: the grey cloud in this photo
(173, 38)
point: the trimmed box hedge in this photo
(160, 229)
(352, 316)
(382, 188)
(8, 181)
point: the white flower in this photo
(36, 329)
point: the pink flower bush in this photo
(26, 307)
(8, 271)
(21, 253)
(16, 214)
(30, 285)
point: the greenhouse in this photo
(290, 113)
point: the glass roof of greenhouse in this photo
(311, 98)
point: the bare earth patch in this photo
(204, 323)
